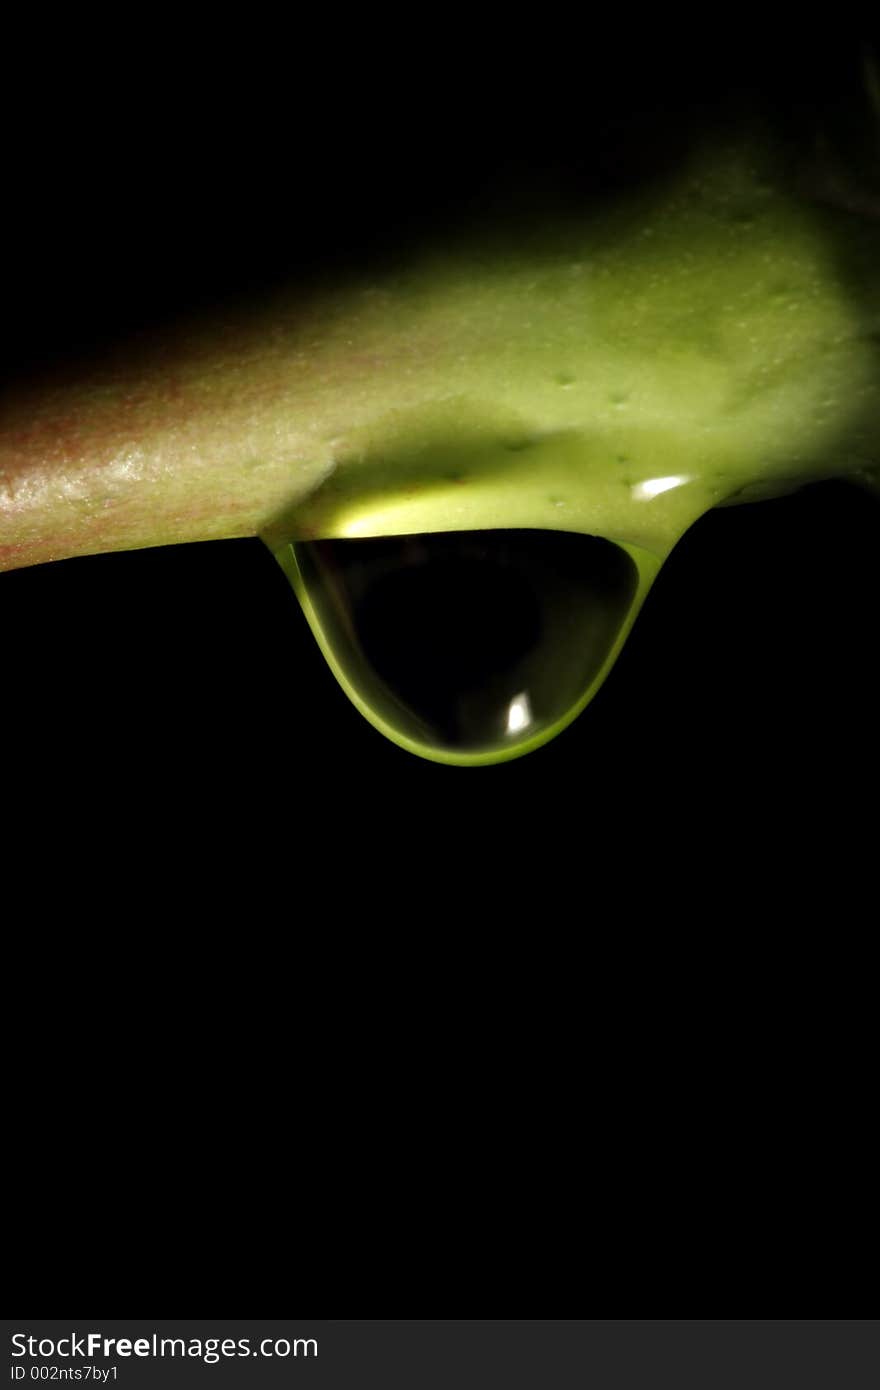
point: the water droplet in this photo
(467, 644)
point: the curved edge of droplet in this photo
(647, 566)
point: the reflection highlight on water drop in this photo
(519, 716)
(653, 487)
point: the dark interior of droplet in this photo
(469, 640)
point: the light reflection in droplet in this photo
(519, 714)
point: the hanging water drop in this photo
(468, 646)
